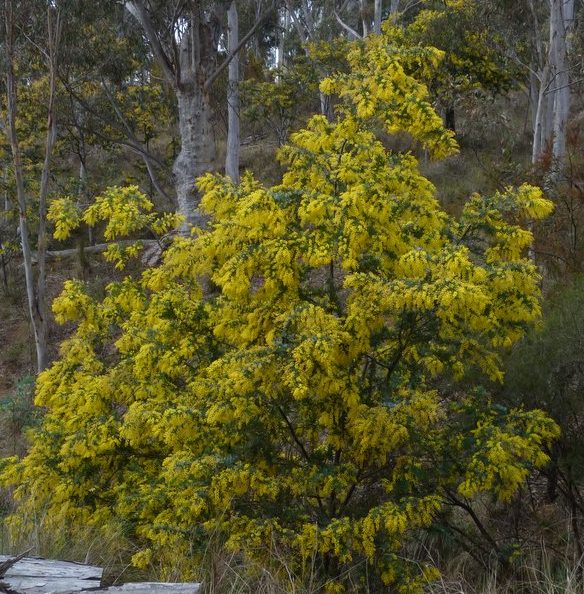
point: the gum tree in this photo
(18, 74)
(184, 40)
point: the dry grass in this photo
(538, 573)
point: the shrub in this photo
(274, 383)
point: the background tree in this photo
(233, 125)
(547, 64)
(474, 57)
(184, 42)
(547, 369)
(16, 16)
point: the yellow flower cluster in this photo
(124, 211)
(272, 381)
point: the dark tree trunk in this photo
(450, 118)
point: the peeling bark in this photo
(187, 74)
(197, 151)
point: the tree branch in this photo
(302, 32)
(133, 142)
(346, 27)
(137, 9)
(143, 153)
(98, 248)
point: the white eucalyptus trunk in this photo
(197, 151)
(561, 22)
(547, 130)
(35, 288)
(233, 128)
(187, 73)
(377, 9)
(533, 96)
(541, 115)
(283, 28)
(364, 17)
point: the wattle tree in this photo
(287, 381)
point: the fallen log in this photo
(98, 248)
(154, 588)
(6, 565)
(34, 575)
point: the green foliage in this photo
(473, 59)
(17, 408)
(124, 211)
(282, 103)
(287, 96)
(547, 370)
(274, 383)
(543, 368)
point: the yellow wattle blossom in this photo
(273, 381)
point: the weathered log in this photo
(98, 248)
(34, 575)
(6, 565)
(154, 588)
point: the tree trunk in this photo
(54, 33)
(541, 101)
(189, 67)
(541, 117)
(233, 133)
(364, 17)
(197, 151)
(6, 209)
(326, 107)
(187, 74)
(377, 8)
(81, 197)
(35, 291)
(283, 27)
(534, 103)
(561, 21)
(33, 306)
(3, 264)
(305, 33)
(450, 118)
